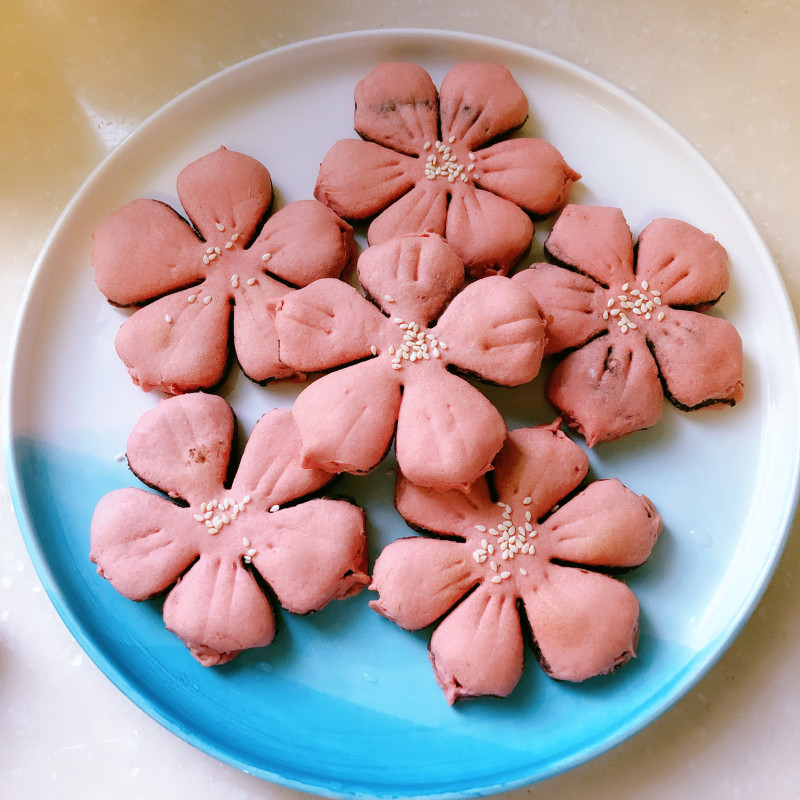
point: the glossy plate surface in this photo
(344, 703)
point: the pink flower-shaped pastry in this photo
(427, 163)
(630, 322)
(447, 431)
(517, 555)
(193, 280)
(211, 545)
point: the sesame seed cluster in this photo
(511, 541)
(637, 302)
(417, 345)
(444, 163)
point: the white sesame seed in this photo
(644, 285)
(526, 501)
(397, 366)
(493, 565)
(228, 245)
(657, 300)
(274, 508)
(206, 260)
(472, 156)
(388, 298)
(426, 146)
(266, 257)
(480, 528)
(234, 237)
(191, 298)
(207, 299)
(624, 287)
(167, 318)
(373, 350)
(661, 316)
(199, 517)
(220, 226)
(655, 293)
(496, 579)
(451, 139)
(245, 541)
(247, 560)
(246, 499)
(251, 281)
(523, 571)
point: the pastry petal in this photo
(270, 471)
(358, 179)
(346, 419)
(699, 357)
(478, 649)
(418, 580)
(175, 345)
(451, 512)
(572, 303)
(397, 106)
(479, 102)
(313, 553)
(183, 446)
(254, 333)
(608, 388)
(540, 463)
(305, 241)
(218, 610)
(594, 240)
(422, 210)
(688, 267)
(419, 275)
(140, 542)
(606, 525)
(225, 192)
(584, 624)
(326, 324)
(494, 330)
(145, 250)
(447, 431)
(490, 234)
(530, 173)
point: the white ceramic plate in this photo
(344, 703)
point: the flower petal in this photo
(540, 463)
(494, 329)
(326, 324)
(140, 542)
(183, 446)
(530, 173)
(688, 267)
(175, 345)
(447, 431)
(572, 303)
(478, 649)
(450, 512)
(418, 274)
(699, 357)
(606, 525)
(397, 106)
(254, 333)
(584, 624)
(358, 179)
(217, 610)
(226, 189)
(594, 240)
(418, 580)
(479, 102)
(270, 471)
(305, 241)
(608, 388)
(489, 233)
(346, 419)
(313, 553)
(422, 210)
(143, 251)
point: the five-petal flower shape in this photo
(308, 552)
(629, 321)
(192, 278)
(448, 432)
(433, 163)
(513, 552)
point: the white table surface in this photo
(78, 76)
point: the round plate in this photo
(344, 703)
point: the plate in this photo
(344, 703)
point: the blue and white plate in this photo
(344, 703)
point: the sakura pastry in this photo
(436, 162)
(518, 554)
(202, 285)
(211, 544)
(629, 321)
(397, 360)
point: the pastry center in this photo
(417, 344)
(216, 514)
(634, 303)
(444, 163)
(509, 541)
